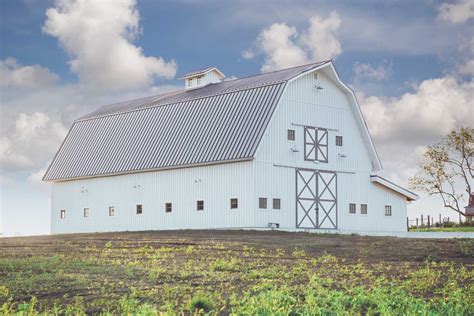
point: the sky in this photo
(411, 64)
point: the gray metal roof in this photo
(216, 123)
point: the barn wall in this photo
(218, 184)
(329, 107)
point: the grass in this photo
(444, 229)
(238, 273)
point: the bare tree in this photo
(447, 169)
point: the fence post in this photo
(417, 222)
(440, 221)
(428, 221)
(421, 220)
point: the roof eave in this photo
(394, 187)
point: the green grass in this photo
(173, 275)
(445, 229)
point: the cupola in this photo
(201, 78)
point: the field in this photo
(235, 272)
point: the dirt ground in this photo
(365, 248)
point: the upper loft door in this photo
(315, 144)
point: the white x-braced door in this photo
(316, 199)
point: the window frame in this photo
(339, 141)
(137, 208)
(362, 207)
(234, 203)
(87, 211)
(352, 208)
(168, 207)
(276, 203)
(111, 211)
(262, 203)
(291, 134)
(198, 80)
(200, 205)
(62, 214)
(388, 210)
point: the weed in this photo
(200, 303)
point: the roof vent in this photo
(201, 78)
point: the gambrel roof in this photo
(217, 123)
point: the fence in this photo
(427, 221)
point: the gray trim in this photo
(326, 128)
(297, 167)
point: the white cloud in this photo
(277, 43)
(14, 75)
(402, 127)
(364, 72)
(33, 140)
(320, 38)
(458, 12)
(437, 106)
(283, 46)
(98, 37)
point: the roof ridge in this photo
(85, 117)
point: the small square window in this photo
(262, 203)
(62, 214)
(388, 210)
(200, 205)
(338, 140)
(276, 204)
(111, 210)
(291, 134)
(86, 212)
(139, 209)
(352, 208)
(363, 208)
(168, 207)
(234, 203)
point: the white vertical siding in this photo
(330, 108)
(216, 185)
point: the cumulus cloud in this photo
(15, 75)
(402, 127)
(98, 37)
(320, 38)
(437, 106)
(283, 46)
(363, 72)
(33, 140)
(458, 12)
(277, 43)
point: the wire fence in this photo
(427, 221)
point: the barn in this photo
(287, 149)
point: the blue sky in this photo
(410, 62)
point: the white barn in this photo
(287, 149)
